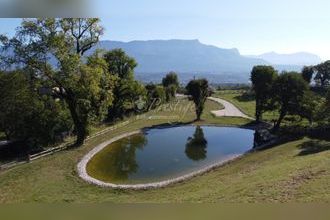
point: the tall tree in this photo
(307, 73)
(155, 95)
(322, 76)
(289, 92)
(120, 63)
(38, 41)
(127, 90)
(263, 78)
(171, 84)
(310, 106)
(198, 90)
(170, 79)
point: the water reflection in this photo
(121, 160)
(164, 153)
(196, 145)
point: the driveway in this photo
(229, 110)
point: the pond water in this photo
(160, 154)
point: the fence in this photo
(60, 147)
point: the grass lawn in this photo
(249, 106)
(282, 173)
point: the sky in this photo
(252, 26)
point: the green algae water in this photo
(160, 154)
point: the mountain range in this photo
(298, 59)
(191, 58)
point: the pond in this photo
(161, 154)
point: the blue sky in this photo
(252, 26)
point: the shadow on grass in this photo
(245, 98)
(313, 147)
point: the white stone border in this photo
(85, 176)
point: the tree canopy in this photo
(263, 78)
(127, 91)
(199, 91)
(120, 63)
(85, 87)
(289, 92)
(171, 84)
(322, 76)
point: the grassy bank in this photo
(282, 173)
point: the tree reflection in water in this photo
(122, 161)
(196, 145)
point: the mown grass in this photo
(277, 174)
(248, 106)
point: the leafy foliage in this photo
(198, 90)
(322, 76)
(27, 116)
(127, 92)
(307, 73)
(120, 64)
(155, 95)
(171, 84)
(289, 91)
(85, 87)
(263, 78)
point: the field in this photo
(294, 171)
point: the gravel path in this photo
(229, 110)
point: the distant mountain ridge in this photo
(185, 56)
(191, 58)
(300, 58)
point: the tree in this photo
(171, 84)
(322, 76)
(196, 145)
(289, 92)
(263, 78)
(170, 92)
(28, 116)
(127, 93)
(310, 106)
(170, 79)
(127, 90)
(80, 85)
(120, 64)
(155, 95)
(307, 73)
(198, 90)
(324, 114)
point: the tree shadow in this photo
(245, 97)
(313, 147)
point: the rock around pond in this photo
(160, 154)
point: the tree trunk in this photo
(199, 111)
(80, 127)
(258, 115)
(278, 123)
(258, 111)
